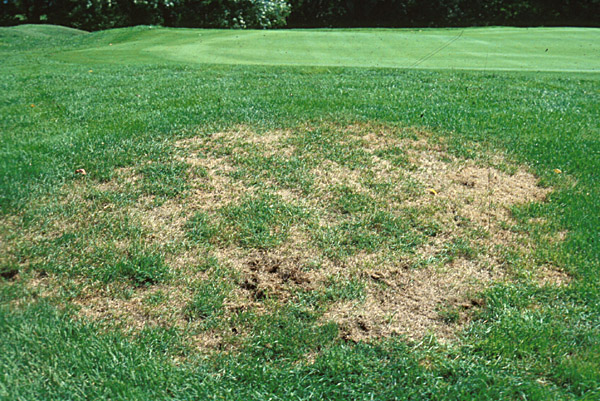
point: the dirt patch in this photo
(268, 275)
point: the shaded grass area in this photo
(528, 341)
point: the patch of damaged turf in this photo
(371, 230)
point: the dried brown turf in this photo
(404, 293)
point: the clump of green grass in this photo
(156, 298)
(349, 201)
(291, 172)
(395, 155)
(371, 232)
(164, 179)
(207, 302)
(123, 197)
(331, 144)
(456, 248)
(200, 228)
(344, 289)
(459, 248)
(335, 289)
(449, 314)
(141, 266)
(164, 340)
(288, 335)
(209, 263)
(260, 221)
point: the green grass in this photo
(141, 267)
(530, 49)
(164, 179)
(208, 300)
(118, 110)
(35, 36)
(372, 232)
(260, 221)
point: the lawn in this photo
(306, 214)
(518, 49)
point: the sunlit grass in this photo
(121, 121)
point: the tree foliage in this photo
(413, 13)
(102, 14)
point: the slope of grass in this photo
(528, 342)
(24, 37)
(518, 49)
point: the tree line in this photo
(104, 14)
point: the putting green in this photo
(497, 48)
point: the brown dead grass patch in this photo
(404, 291)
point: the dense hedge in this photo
(102, 14)
(419, 13)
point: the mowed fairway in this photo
(516, 49)
(295, 215)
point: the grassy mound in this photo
(33, 36)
